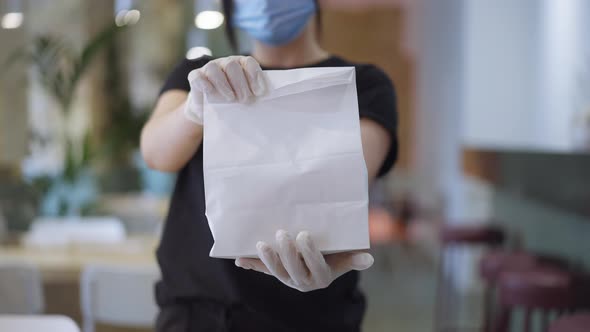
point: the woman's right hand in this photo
(234, 78)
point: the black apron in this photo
(209, 316)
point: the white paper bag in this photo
(290, 160)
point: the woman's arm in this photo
(169, 139)
(376, 143)
(174, 132)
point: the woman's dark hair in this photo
(228, 10)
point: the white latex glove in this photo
(298, 264)
(234, 78)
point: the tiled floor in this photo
(400, 288)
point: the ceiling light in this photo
(127, 17)
(12, 20)
(132, 16)
(197, 52)
(120, 18)
(209, 19)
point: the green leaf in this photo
(48, 54)
(87, 151)
(70, 171)
(42, 184)
(92, 49)
(63, 207)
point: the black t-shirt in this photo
(190, 275)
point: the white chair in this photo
(18, 323)
(21, 290)
(119, 296)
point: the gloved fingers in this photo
(219, 80)
(252, 264)
(272, 261)
(254, 75)
(237, 78)
(343, 262)
(314, 259)
(198, 81)
(291, 259)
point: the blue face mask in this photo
(273, 22)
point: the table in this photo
(60, 269)
(63, 265)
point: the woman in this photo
(295, 288)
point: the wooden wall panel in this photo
(375, 36)
(481, 164)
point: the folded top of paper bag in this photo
(287, 82)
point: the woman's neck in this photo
(302, 51)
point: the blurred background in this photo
(494, 130)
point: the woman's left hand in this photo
(298, 264)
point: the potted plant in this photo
(69, 189)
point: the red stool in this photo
(453, 236)
(574, 323)
(490, 268)
(476, 235)
(493, 263)
(542, 288)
